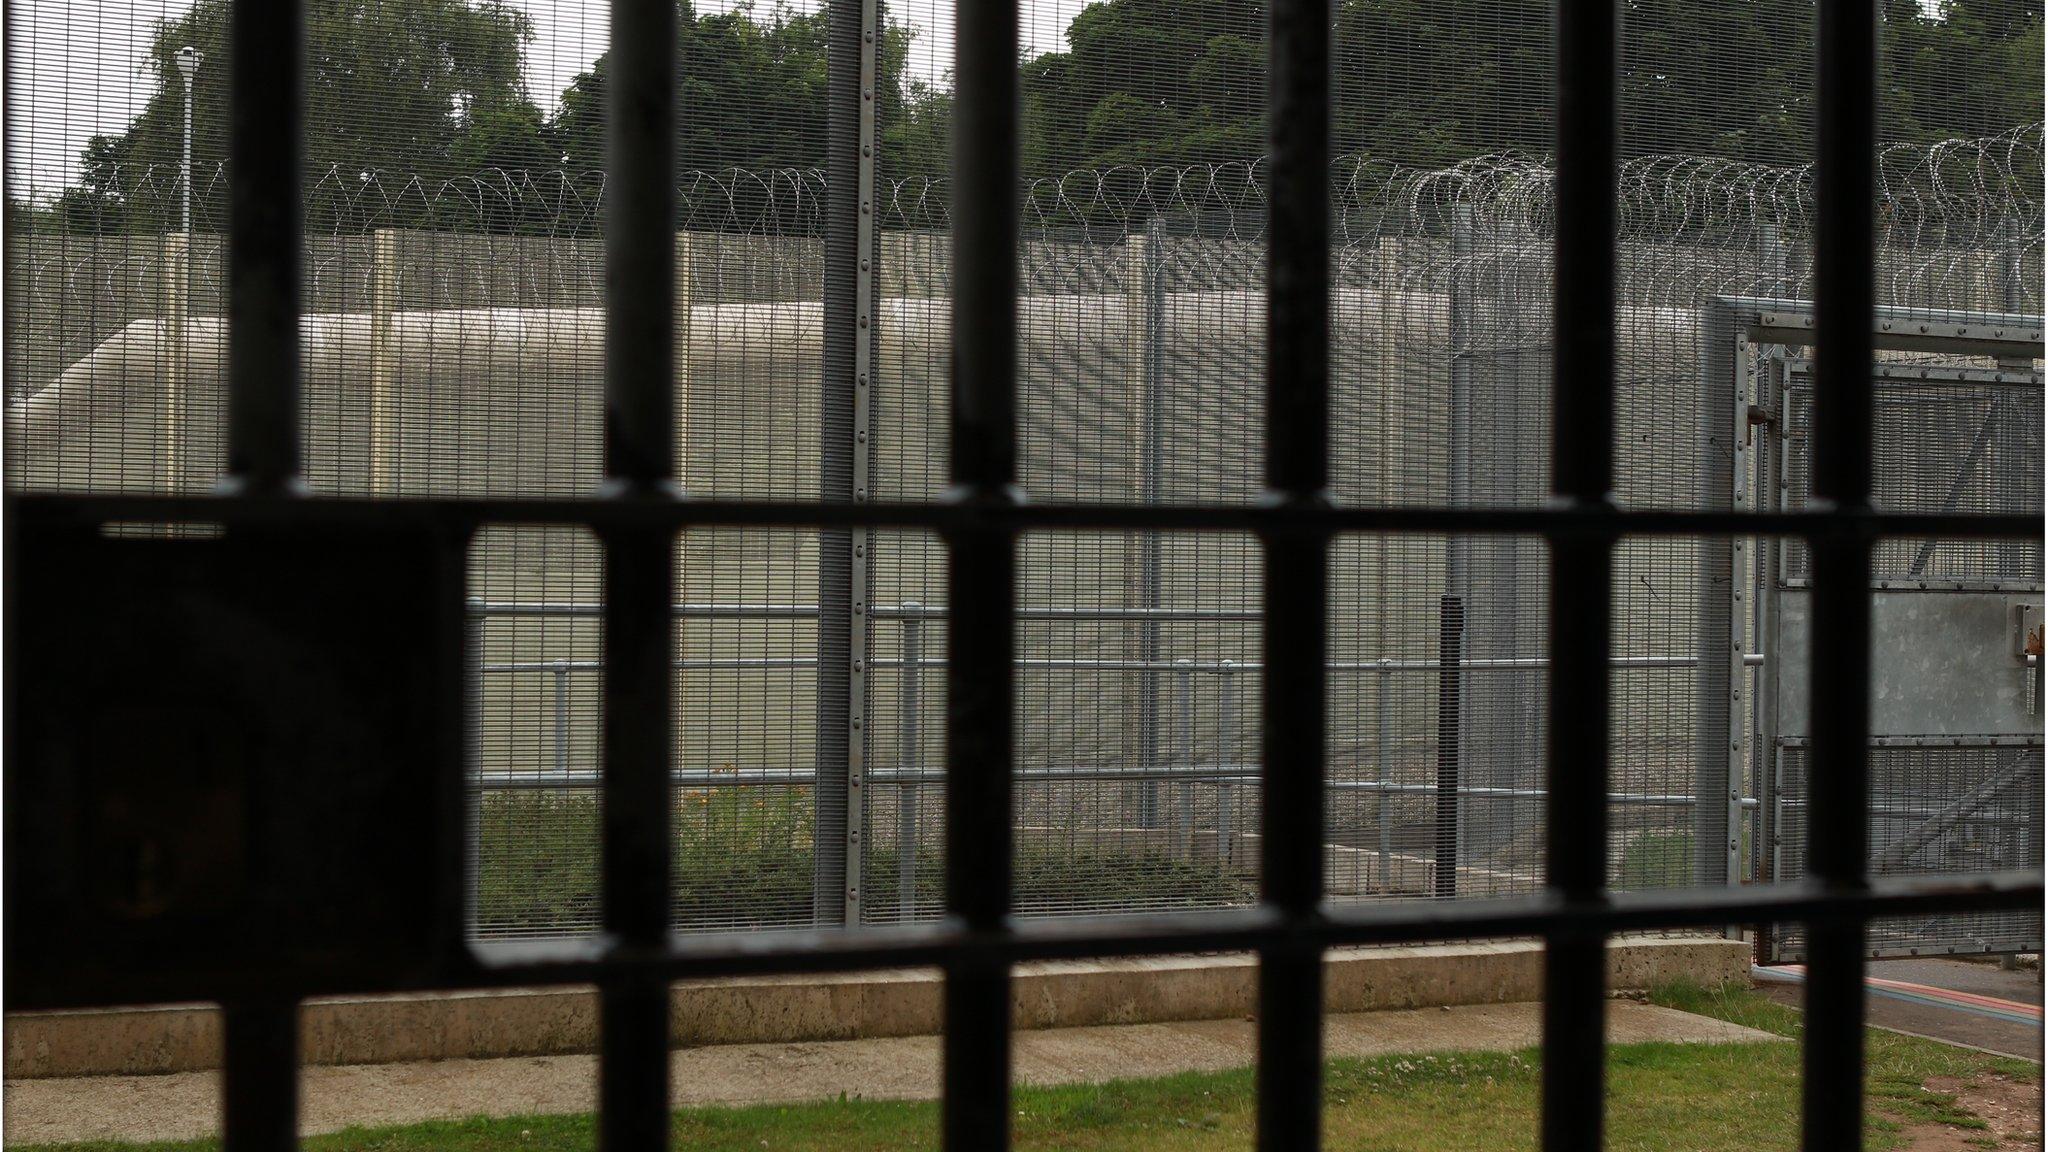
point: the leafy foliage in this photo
(431, 88)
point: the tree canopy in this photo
(432, 88)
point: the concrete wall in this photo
(1063, 994)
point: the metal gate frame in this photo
(1749, 767)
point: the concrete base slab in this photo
(185, 1105)
(859, 1005)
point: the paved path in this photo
(183, 1105)
(1971, 1002)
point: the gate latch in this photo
(2027, 634)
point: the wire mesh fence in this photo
(454, 346)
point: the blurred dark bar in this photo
(1295, 697)
(1838, 798)
(259, 1079)
(264, 241)
(1581, 569)
(639, 574)
(981, 574)
(639, 243)
(1450, 707)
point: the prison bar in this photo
(974, 1109)
(264, 240)
(1581, 571)
(260, 1034)
(639, 568)
(1296, 587)
(1845, 180)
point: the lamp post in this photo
(179, 358)
(188, 66)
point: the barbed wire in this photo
(1953, 192)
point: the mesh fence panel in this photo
(454, 347)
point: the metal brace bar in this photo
(1903, 849)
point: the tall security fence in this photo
(454, 344)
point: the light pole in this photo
(179, 359)
(188, 66)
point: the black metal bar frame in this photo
(639, 511)
(1845, 299)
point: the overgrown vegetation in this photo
(743, 858)
(1663, 1098)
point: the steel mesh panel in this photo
(536, 719)
(1432, 690)
(454, 347)
(1940, 447)
(749, 834)
(903, 733)
(1961, 806)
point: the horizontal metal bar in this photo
(677, 512)
(878, 611)
(1504, 664)
(1959, 740)
(1241, 775)
(587, 959)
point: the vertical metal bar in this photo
(259, 1077)
(981, 575)
(1297, 594)
(1461, 322)
(639, 246)
(639, 577)
(638, 647)
(1450, 709)
(561, 678)
(1727, 385)
(1184, 746)
(845, 427)
(1227, 757)
(909, 760)
(1838, 803)
(1143, 300)
(264, 239)
(1383, 801)
(1581, 568)
(473, 744)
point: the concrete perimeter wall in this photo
(1054, 994)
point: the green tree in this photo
(1430, 82)
(424, 87)
(751, 93)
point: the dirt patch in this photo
(2010, 1109)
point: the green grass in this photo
(1664, 1098)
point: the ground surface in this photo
(1739, 1093)
(183, 1106)
(1978, 1030)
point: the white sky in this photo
(77, 65)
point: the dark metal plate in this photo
(232, 761)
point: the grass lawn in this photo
(1664, 1096)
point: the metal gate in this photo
(1955, 768)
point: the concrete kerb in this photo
(1062, 994)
